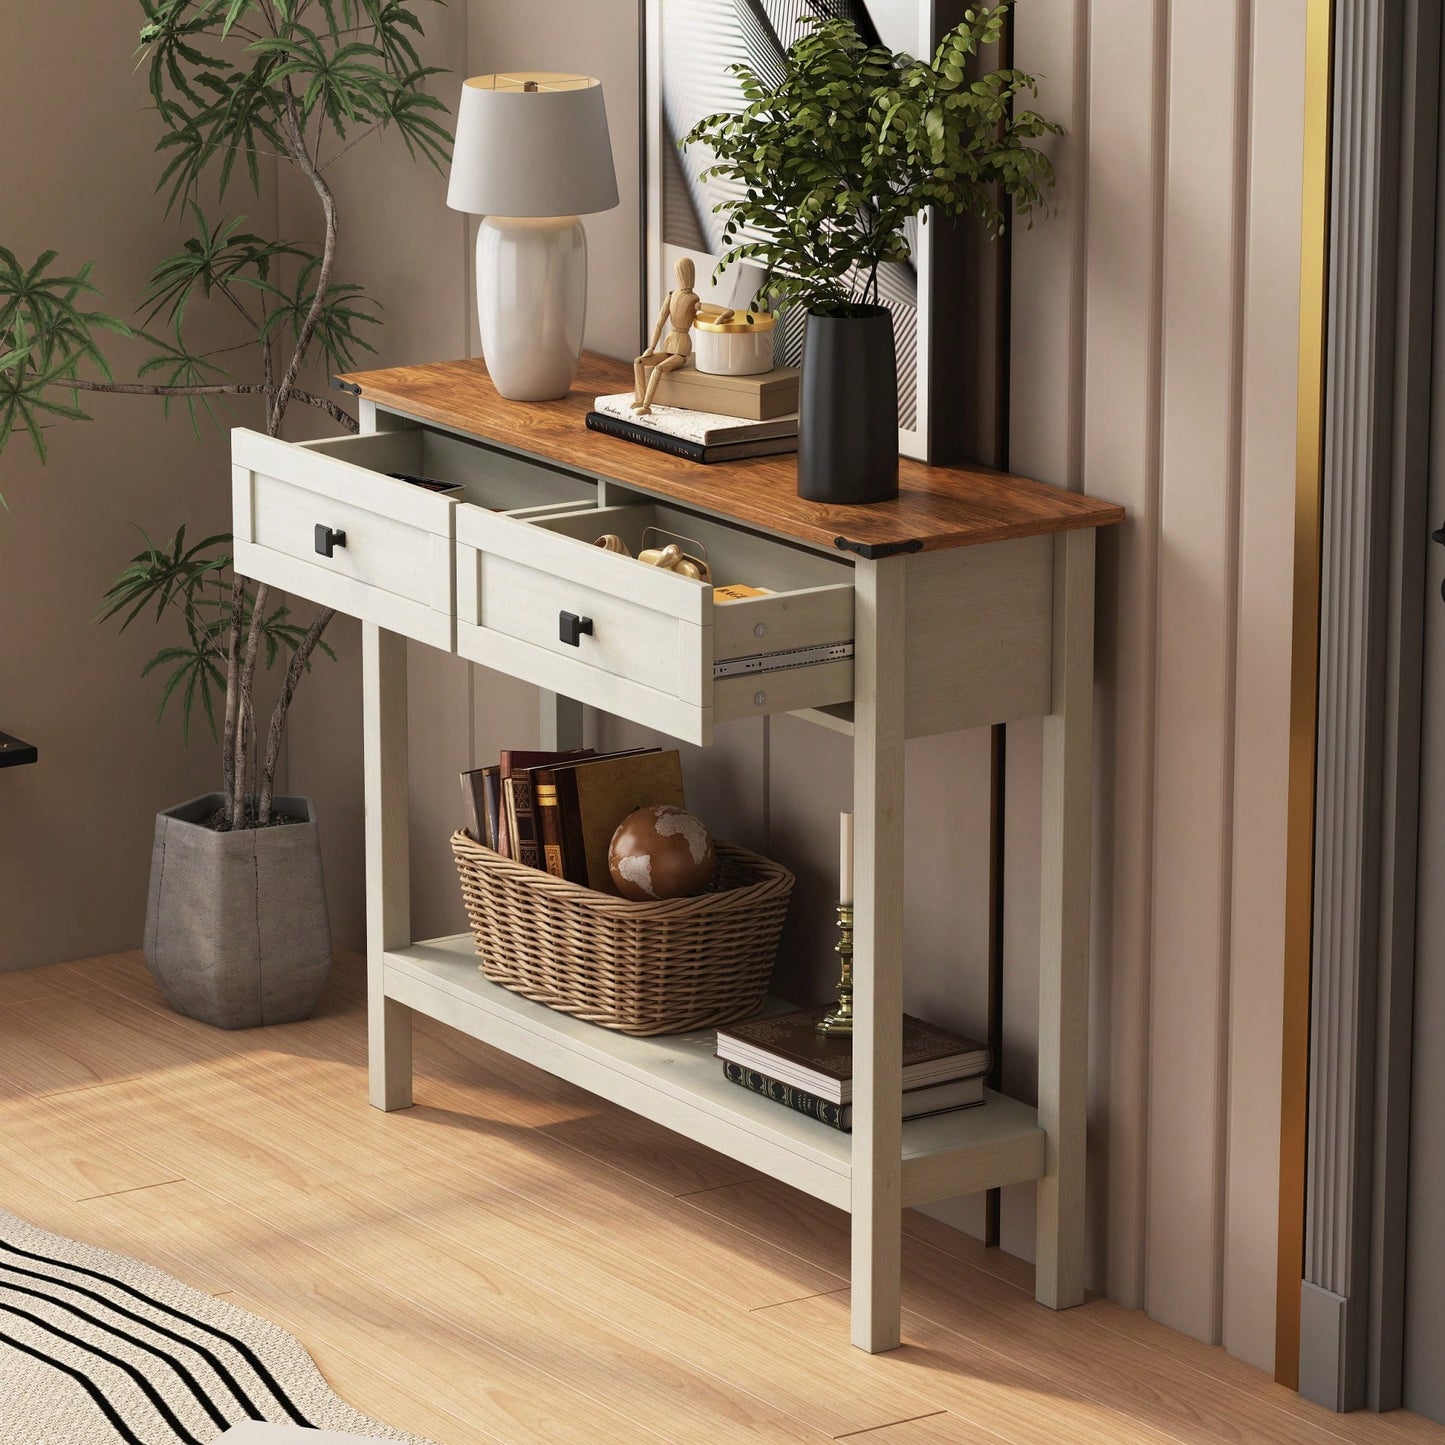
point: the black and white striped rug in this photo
(99, 1349)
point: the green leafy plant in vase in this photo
(236, 931)
(828, 164)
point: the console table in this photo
(967, 601)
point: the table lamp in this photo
(532, 154)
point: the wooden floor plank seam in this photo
(746, 1178)
(76, 1088)
(134, 1189)
(874, 1429)
(819, 1294)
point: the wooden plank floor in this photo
(514, 1260)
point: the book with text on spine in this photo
(518, 812)
(690, 451)
(554, 796)
(917, 1103)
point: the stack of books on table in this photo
(785, 1057)
(730, 419)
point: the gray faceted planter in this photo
(237, 932)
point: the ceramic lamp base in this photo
(532, 303)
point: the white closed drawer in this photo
(537, 599)
(339, 521)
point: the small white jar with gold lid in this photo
(734, 343)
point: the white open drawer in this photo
(331, 521)
(652, 645)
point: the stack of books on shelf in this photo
(709, 418)
(784, 1057)
(558, 811)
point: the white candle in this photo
(845, 859)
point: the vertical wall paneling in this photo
(1121, 458)
(1262, 669)
(1199, 410)
(1045, 422)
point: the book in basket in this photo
(788, 1047)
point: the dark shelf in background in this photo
(13, 752)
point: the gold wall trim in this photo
(1304, 689)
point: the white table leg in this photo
(388, 880)
(561, 729)
(1064, 927)
(877, 952)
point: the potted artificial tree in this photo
(236, 929)
(830, 160)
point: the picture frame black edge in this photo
(643, 214)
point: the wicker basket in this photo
(640, 968)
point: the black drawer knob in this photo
(328, 539)
(570, 628)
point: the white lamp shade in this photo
(542, 151)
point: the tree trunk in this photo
(233, 693)
(246, 683)
(277, 730)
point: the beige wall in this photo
(75, 829)
(1154, 331)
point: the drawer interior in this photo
(500, 481)
(734, 556)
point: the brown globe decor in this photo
(661, 852)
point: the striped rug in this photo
(98, 1349)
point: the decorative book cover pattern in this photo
(832, 1115)
(840, 1116)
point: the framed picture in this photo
(688, 46)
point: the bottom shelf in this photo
(678, 1081)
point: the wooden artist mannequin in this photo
(678, 313)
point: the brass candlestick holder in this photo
(840, 1021)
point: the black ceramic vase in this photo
(848, 410)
